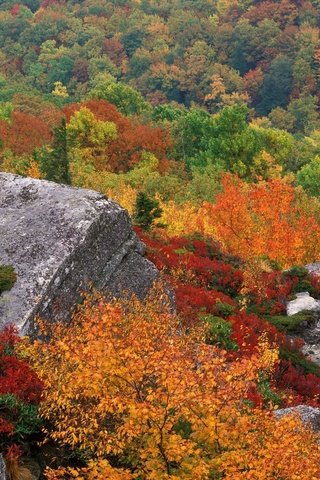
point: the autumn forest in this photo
(201, 118)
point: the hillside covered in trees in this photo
(201, 118)
(202, 52)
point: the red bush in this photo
(206, 276)
(16, 376)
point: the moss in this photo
(284, 323)
(8, 278)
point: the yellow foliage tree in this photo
(60, 90)
(126, 384)
(181, 219)
(34, 170)
(264, 167)
(88, 138)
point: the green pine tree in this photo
(147, 210)
(55, 166)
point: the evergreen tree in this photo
(147, 209)
(55, 165)
(277, 85)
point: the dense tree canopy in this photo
(130, 52)
(200, 117)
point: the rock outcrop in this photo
(59, 240)
(303, 302)
(308, 331)
(309, 415)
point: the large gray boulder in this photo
(59, 240)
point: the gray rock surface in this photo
(310, 333)
(302, 302)
(59, 240)
(3, 475)
(313, 268)
(308, 415)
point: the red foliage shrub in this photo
(247, 329)
(6, 427)
(14, 452)
(200, 259)
(24, 133)
(204, 279)
(255, 397)
(305, 388)
(16, 376)
(193, 300)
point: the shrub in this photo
(297, 271)
(269, 396)
(7, 278)
(303, 281)
(23, 417)
(219, 332)
(224, 309)
(20, 391)
(15, 470)
(284, 323)
(148, 399)
(305, 366)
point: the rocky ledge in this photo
(61, 240)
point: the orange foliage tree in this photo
(132, 137)
(267, 219)
(144, 399)
(24, 133)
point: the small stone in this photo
(313, 268)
